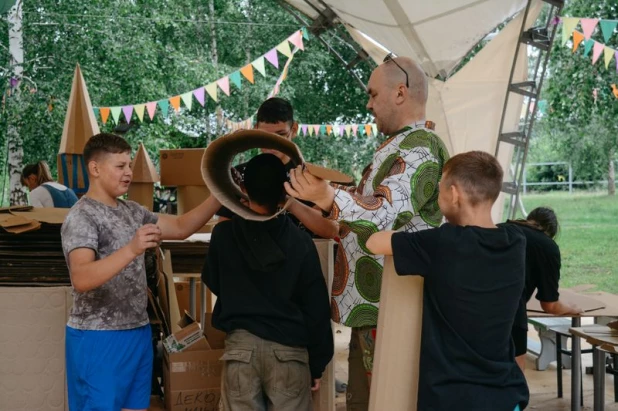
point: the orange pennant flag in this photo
(328, 130)
(104, 114)
(615, 90)
(577, 39)
(175, 102)
(247, 71)
(368, 129)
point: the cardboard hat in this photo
(217, 164)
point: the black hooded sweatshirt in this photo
(268, 281)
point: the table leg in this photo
(192, 299)
(598, 365)
(576, 368)
(203, 304)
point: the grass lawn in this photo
(588, 237)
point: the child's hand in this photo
(316, 384)
(147, 236)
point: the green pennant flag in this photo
(187, 98)
(258, 64)
(97, 112)
(164, 105)
(588, 44)
(235, 78)
(607, 27)
(305, 33)
(322, 130)
(115, 113)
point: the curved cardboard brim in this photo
(328, 174)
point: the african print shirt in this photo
(399, 191)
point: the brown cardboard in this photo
(142, 193)
(76, 177)
(79, 123)
(217, 162)
(190, 197)
(18, 222)
(394, 385)
(181, 167)
(144, 170)
(189, 338)
(182, 295)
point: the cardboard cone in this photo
(145, 175)
(217, 162)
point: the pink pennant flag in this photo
(341, 130)
(354, 128)
(224, 84)
(304, 128)
(128, 112)
(316, 129)
(199, 95)
(151, 107)
(588, 26)
(272, 58)
(597, 51)
(297, 40)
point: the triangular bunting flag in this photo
(317, 129)
(577, 39)
(139, 110)
(615, 56)
(597, 50)
(304, 129)
(341, 130)
(97, 112)
(568, 25)
(104, 114)
(608, 53)
(284, 48)
(311, 130)
(164, 105)
(329, 129)
(297, 40)
(607, 28)
(348, 128)
(368, 129)
(259, 65)
(272, 58)
(115, 114)
(247, 71)
(588, 46)
(187, 99)
(128, 112)
(199, 95)
(224, 85)
(211, 89)
(305, 33)
(588, 26)
(175, 102)
(235, 77)
(151, 107)
(375, 129)
(354, 129)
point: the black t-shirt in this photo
(542, 270)
(268, 280)
(473, 282)
(238, 174)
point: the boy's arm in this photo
(313, 220)
(380, 243)
(181, 227)
(87, 273)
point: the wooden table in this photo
(610, 310)
(603, 339)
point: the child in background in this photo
(44, 191)
(473, 276)
(272, 301)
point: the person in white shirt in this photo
(44, 191)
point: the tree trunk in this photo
(18, 194)
(215, 62)
(611, 177)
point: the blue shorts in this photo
(109, 370)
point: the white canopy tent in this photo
(467, 106)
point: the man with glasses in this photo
(276, 116)
(398, 191)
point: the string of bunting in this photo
(212, 89)
(369, 130)
(588, 26)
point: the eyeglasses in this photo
(389, 57)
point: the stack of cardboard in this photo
(191, 366)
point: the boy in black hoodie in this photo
(272, 301)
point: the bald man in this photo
(398, 191)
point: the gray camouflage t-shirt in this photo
(120, 303)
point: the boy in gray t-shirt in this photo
(108, 352)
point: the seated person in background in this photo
(276, 116)
(542, 274)
(44, 191)
(272, 301)
(473, 276)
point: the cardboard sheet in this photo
(18, 222)
(586, 303)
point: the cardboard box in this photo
(189, 335)
(192, 378)
(182, 167)
(190, 197)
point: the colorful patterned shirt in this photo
(398, 191)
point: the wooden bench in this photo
(545, 350)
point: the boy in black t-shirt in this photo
(474, 277)
(272, 301)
